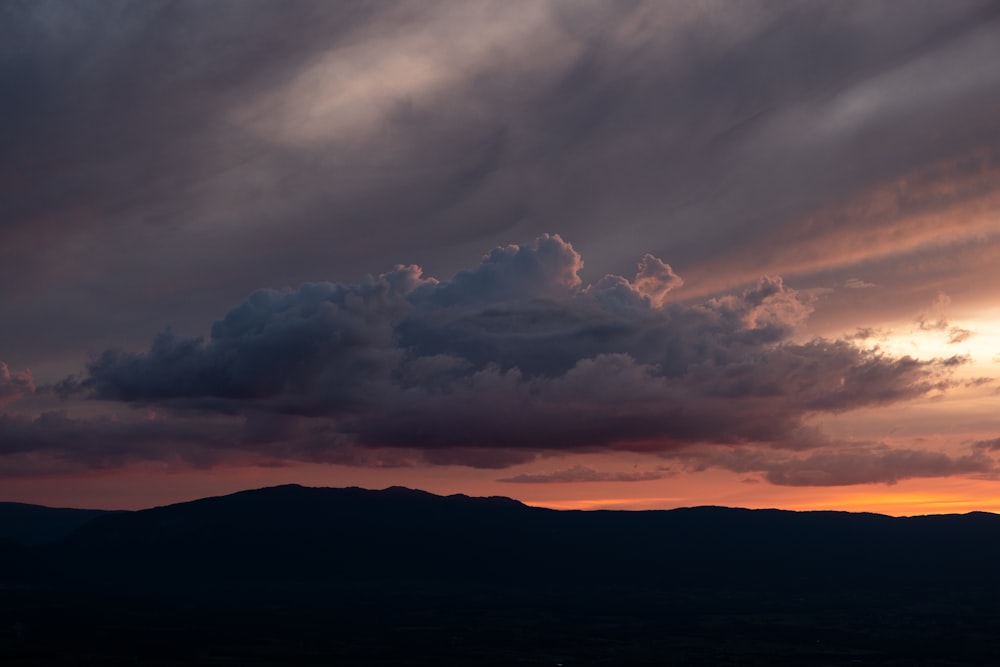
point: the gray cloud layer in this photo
(169, 156)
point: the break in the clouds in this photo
(512, 358)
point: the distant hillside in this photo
(295, 534)
(35, 524)
(350, 576)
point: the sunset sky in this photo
(583, 254)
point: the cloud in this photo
(655, 279)
(866, 333)
(215, 147)
(992, 444)
(545, 269)
(452, 126)
(959, 335)
(511, 358)
(886, 466)
(934, 319)
(53, 440)
(583, 474)
(13, 385)
(844, 465)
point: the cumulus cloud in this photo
(13, 385)
(655, 279)
(583, 474)
(513, 357)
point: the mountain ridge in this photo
(421, 492)
(402, 573)
(368, 529)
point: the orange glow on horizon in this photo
(143, 488)
(845, 499)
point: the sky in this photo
(583, 254)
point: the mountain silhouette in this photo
(295, 533)
(35, 524)
(704, 584)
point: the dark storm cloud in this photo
(516, 354)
